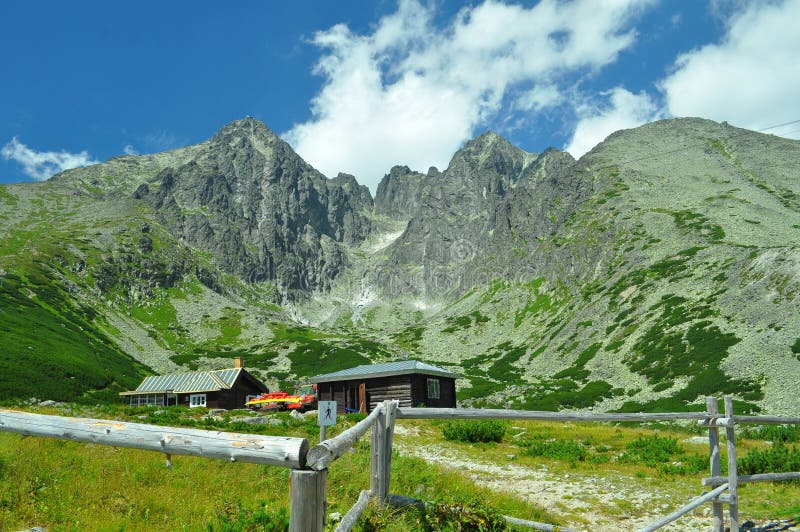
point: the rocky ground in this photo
(586, 502)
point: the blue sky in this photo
(360, 86)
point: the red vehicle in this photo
(304, 398)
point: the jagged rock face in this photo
(400, 191)
(263, 212)
(493, 199)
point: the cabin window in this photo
(433, 388)
(147, 400)
(197, 399)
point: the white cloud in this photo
(130, 150)
(751, 78)
(539, 97)
(623, 110)
(44, 164)
(412, 93)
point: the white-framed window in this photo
(433, 388)
(197, 399)
(147, 400)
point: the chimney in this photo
(237, 362)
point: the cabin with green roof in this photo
(411, 382)
(223, 388)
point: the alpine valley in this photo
(661, 267)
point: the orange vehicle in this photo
(304, 398)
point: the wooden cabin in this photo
(411, 382)
(224, 388)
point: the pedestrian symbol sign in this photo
(326, 416)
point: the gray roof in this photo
(195, 381)
(385, 369)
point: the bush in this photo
(474, 517)
(651, 450)
(774, 433)
(475, 431)
(567, 450)
(777, 459)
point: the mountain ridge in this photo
(659, 267)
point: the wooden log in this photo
(685, 509)
(385, 469)
(745, 479)
(717, 422)
(469, 413)
(271, 450)
(350, 518)
(768, 420)
(376, 459)
(327, 451)
(733, 481)
(308, 501)
(712, 407)
(535, 525)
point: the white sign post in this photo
(326, 417)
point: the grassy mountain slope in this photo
(690, 243)
(674, 273)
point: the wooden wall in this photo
(411, 390)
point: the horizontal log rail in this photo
(235, 447)
(744, 479)
(472, 413)
(767, 420)
(329, 450)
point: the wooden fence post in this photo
(377, 457)
(308, 500)
(712, 407)
(391, 413)
(733, 482)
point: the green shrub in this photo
(774, 433)
(777, 459)
(663, 454)
(796, 347)
(567, 450)
(475, 517)
(475, 431)
(651, 450)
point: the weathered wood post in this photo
(733, 481)
(308, 500)
(378, 456)
(712, 407)
(388, 438)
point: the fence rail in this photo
(270, 450)
(308, 478)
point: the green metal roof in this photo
(195, 381)
(385, 369)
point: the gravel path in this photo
(587, 502)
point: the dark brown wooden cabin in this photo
(411, 382)
(224, 388)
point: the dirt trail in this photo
(586, 502)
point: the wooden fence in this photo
(309, 466)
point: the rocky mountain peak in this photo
(251, 200)
(248, 128)
(400, 190)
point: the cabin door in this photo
(362, 398)
(351, 403)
